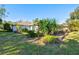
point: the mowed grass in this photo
(14, 44)
(9, 42)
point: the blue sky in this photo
(28, 12)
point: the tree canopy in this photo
(2, 12)
(73, 21)
(75, 14)
(46, 26)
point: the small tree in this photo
(0, 21)
(7, 27)
(47, 26)
(73, 21)
(36, 22)
(43, 26)
(1, 25)
(2, 15)
(75, 14)
(54, 25)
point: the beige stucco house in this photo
(25, 25)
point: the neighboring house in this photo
(25, 25)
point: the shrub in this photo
(72, 36)
(49, 39)
(7, 27)
(32, 33)
(24, 30)
(0, 21)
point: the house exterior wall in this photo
(14, 28)
(35, 28)
(27, 27)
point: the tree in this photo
(36, 23)
(75, 14)
(2, 15)
(2, 12)
(54, 25)
(7, 27)
(73, 21)
(0, 21)
(43, 26)
(47, 26)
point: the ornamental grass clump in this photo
(50, 39)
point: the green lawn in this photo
(15, 44)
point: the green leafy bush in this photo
(7, 27)
(49, 38)
(32, 33)
(24, 30)
(0, 21)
